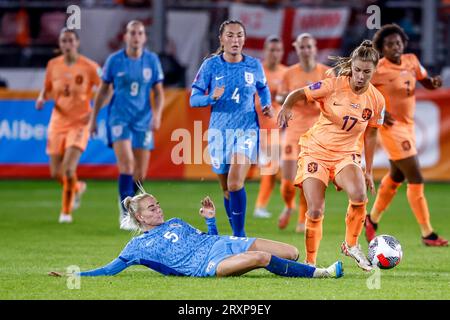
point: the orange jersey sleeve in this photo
(71, 88)
(397, 83)
(344, 117)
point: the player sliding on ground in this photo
(174, 247)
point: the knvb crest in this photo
(249, 77)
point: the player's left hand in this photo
(369, 183)
(267, 111)
(436, 82)
(208, 210)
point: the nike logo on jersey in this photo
(120, 74)
(218, 78)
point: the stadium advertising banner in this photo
(326, 25)
(180, 145)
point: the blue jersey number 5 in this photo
(171, 236)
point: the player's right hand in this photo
(283, 117)
(39, 104)
(218, 92)
(388, 119)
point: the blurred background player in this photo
(180, 249)
(132, 73)
(396, 79)
(69, 80)
(269, 156)
(304, 115)
(350, 107)
(228, 82)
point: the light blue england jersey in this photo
(173, 248)
(236, 108)
(132, 81)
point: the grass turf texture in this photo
(33, 243)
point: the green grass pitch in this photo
(33, 243)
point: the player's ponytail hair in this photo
(131, 205)
(219, 50)
(364, 52)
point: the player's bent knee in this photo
(235, 186)
(262, 258)
(69, 172)
(292, 253)
(315, 213)
(358, 197)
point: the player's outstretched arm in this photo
(111, 269)
(208, 211)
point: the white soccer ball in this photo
(385, 252)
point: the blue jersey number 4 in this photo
(235, 95)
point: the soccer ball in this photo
(385, 252)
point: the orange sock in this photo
(354, 221)
(288, 193)
(265, 190)
(386, 192)
(68, 196)
(418, 203)
(302, 208)
(313, 235)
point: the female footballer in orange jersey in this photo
(306, 72)
(69, 81)
(351, 107)
(396, 79)
(269, 161)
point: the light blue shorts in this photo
(222, 249)
(139, 139)
(223, 144)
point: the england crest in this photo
(147, 73)
(249, 78)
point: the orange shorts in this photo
(58, 142)
(324, 170)
(399, 140)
